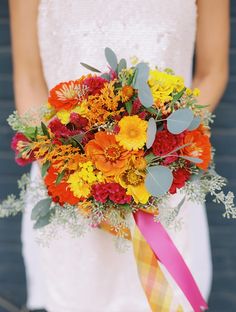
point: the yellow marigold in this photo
(133, 132)
(80, 181)
(163, 84)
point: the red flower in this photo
(95, 84)
(181, 175)
(165, 142)
(78, 121)
(60, 130)
(21, 143)
(60, 193)
(113, 191)
(136, 107)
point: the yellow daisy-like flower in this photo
(132, 179)
(64, 115)
(80, 182)
(163, 84)
(133, 132)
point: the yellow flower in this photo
(133, 132)
(132, 179)
(80, 182)
(196, 92)
(64, 116)
(163, 84)
(49, 113)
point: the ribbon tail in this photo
(166, 252)
(157, 289)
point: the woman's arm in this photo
(29, 84)
(212, 48)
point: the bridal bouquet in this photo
(116, 144)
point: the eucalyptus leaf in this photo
(43, 221)
(122, 65)
(89, 67)
(195, 123)
(106, 76)
(151, 132)
(158, 180)
(145, 95)
(111, 58)
(142, 75)
(179, 120)
(45, 168)
(41, 208)
(193, 159)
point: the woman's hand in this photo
(29, 84)
(212, 49)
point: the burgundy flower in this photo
(60, 130)
(136, 107)
(113, 191)
(181, 175)
(95, 84)
(165, 142)
(20, 143)
(78, 121)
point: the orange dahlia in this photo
(67, 95)
(200, 147)
(106, 153)
(59, 192)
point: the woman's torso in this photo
(161, 32)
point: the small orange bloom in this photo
(107, 154)
(200, 147)
(67, 95)
(126, 93)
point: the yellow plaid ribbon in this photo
(157, 289)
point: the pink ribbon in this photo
(166, 252)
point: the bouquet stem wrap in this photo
(165, 251)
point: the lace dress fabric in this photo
(88, 274)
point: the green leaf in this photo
(192, 159)
(60, 176)
(151, 132)
(178, 95)
(45, 130)
(90, 67)
(149, 157)
(43, 221)
(29, 132)
(128, 106)
(142, 74)
(158, 180)
(122, 65)
(195, 123)
(153, 111)
(111, 58)
(106, 76)
(179, 120)
(145, 95)
(45, 168)
(41, 208)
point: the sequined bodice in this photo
(161, 32)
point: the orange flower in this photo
(126, 93)
(200, 147)
(67, 95)
(107, 154)
(59, 192)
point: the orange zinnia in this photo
(200, 147)
(66, 95)
(107, 154)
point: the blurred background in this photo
(223, 232)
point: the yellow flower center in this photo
(112, 152)
(133, 177)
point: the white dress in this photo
(87, 274)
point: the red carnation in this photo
(181, 175)
(78, 121)
(18, 144)
(113, 191)
(95, 84)
(136, 107)
(165, 142)
(60, 130)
